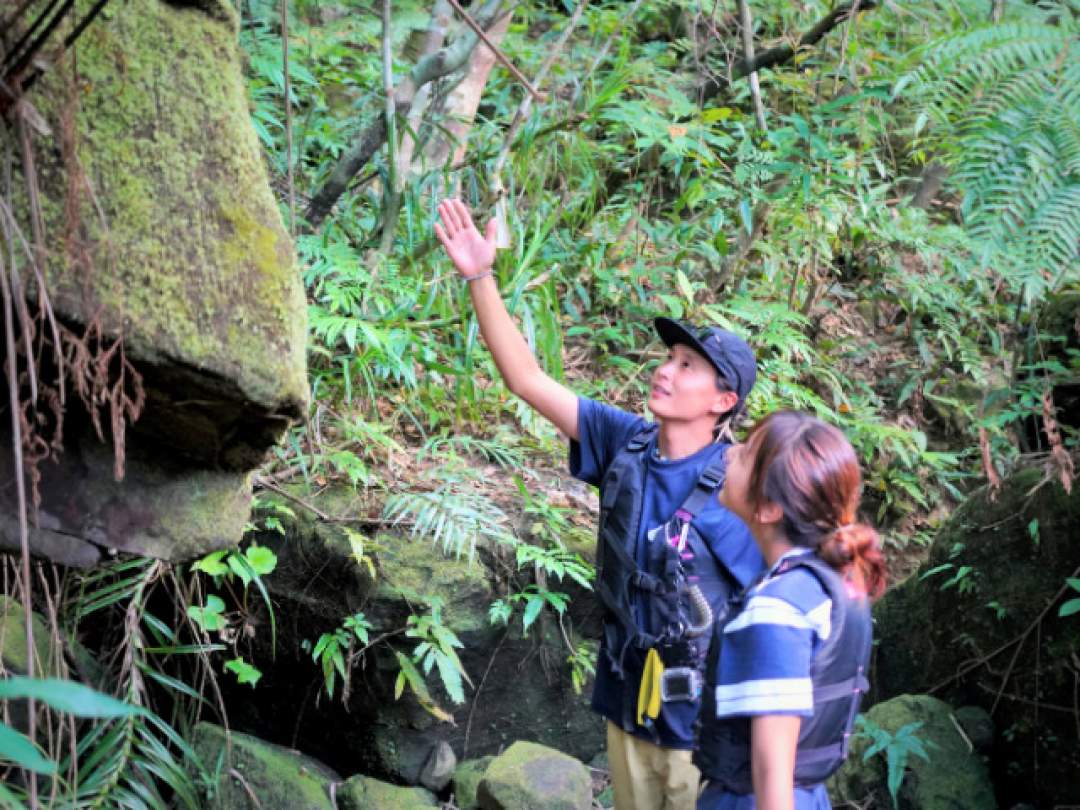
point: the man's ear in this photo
(725, 401)
(769, 512)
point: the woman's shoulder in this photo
(798, 593)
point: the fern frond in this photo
(453, 519)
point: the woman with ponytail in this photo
(786, 668)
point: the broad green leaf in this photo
(17, 748)
(209, 617)
(262, 559)
(212, 564)
(245, 672)
(67, 696)
(1069, 608)
(533, 606)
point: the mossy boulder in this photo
(528, 776)
(953, 777)
(13, 650)
(365, 793)
(165, 239)
(188, 259)
(978, 623)
(466, 781)
(247, 772)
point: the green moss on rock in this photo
(190, 260)
(365, 793)
(418, 570)
(13, 639)
(528, 776)
(992, 571)
(242, 767)
(953, 778)
(467, 778)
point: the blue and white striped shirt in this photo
(767, 649)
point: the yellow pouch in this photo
(648, 699)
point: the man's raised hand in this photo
(471, 252)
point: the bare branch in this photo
(445, 61)
(747, 24)
(784, 53)
(504, 60)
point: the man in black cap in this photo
(664, 537)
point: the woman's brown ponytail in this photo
(854, 549)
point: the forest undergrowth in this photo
(883, 198)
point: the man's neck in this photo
(681, 439)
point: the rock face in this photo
(528, 776)
(318, 583)
(180, 252)
(953, 778)
(251, 773)
(979, 620)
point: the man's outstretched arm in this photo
(473, 254)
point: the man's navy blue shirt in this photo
(603, 431)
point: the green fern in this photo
(454, 519)
(1006, 102)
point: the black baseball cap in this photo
(730, 355)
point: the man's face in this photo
(684, 387)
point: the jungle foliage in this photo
(639, 183)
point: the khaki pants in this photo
(648, 777)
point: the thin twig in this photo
(499, 55)
(392, 193)
(476, 695)
(290, 176)
(20, 486)
(267, 484)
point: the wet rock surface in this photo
(179, 268)
(978, 623)
(952, 777)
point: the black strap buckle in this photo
(647, 582)
(711, 478)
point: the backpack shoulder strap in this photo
(710, 480)
(640, 440)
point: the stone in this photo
(365, 793)
(995, 578)
(13, 639)
(181, 254)
(467, 778)
(439, 767)
(528, 776)
(259, 775)
(159, 510)
(953, 778)
(526, 693)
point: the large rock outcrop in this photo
(163, 232)
(978, 625)
(521, 686)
